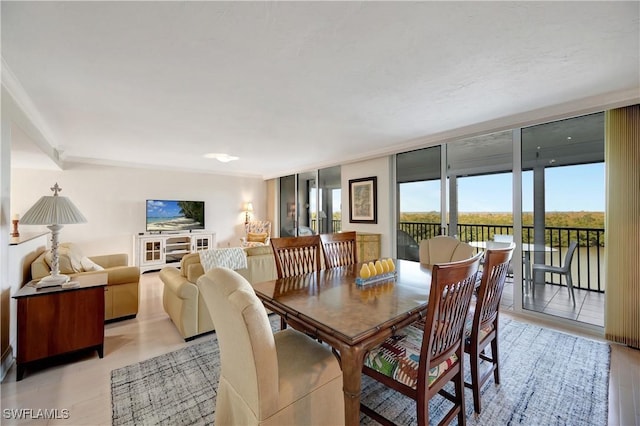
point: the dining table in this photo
(352, 318)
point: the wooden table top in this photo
(331, 300)
(95, 279)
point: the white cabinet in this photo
(154, 251)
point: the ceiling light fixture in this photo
(224, 158)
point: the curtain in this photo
(622, 224)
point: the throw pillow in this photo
(69, 258)
(257, 238)
(89, 265)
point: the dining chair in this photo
(443, 249)
(481, 328)
(420, 359)
(296, 256)
(267, 378)
(565, 270)
(339, 249)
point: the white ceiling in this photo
(293, 86)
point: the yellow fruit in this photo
(379, 268)
(364, 272)
(392, 266)
(372, 269)
(385, 265)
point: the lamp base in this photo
(52, 281)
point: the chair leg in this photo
(283, 323)
(532, 283)
(570, 287)
(475, 379)
(496, 363)
(459, 385)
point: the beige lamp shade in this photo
(53, 211)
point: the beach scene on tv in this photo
(166, 215)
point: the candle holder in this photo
(15, 232)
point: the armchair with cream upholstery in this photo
(443, 249)
(266, 378)
(257, 233)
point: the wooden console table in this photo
(54, 321)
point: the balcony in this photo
(552, 297)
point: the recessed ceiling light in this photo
(224, 158)
(568, 138)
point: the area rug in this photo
(547, 377)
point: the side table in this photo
(54, 321)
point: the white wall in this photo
(113, 201)
(381, 168)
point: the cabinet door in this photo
(201, 242)
(60, 322)
(152, 251)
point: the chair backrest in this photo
(296, 255)
(249, 362)
(452, 286)
(494, 274)
(339, 249)
(568, 257)
(259, 229)
(443, 249)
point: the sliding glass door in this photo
(563, 201)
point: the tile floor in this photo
(82, 384)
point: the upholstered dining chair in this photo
(339, 249)
(266, 378)
(419, 360)
(257, 233)
(565, 270)
(442, 249)
(481, 329)
(296, 256)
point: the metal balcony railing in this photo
(587, 265)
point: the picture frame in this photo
(363, 200)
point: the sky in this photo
(162, 208)
(567, 188)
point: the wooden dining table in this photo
(352, 319)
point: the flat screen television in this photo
(173, 215)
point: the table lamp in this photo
(248, 208)
(53, 211)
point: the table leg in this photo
(352, 359)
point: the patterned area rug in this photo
(547, 378)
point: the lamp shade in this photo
(53, 210)
(248, 207)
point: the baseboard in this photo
(6, 362)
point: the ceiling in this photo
(293, 86)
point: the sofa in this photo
(181, 296)
(121, 293)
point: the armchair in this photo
(257, 233)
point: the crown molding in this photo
(39, 131)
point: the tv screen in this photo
(172, 215)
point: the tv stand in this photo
(155, 251)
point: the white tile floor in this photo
(83, 385)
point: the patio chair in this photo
(481, 329)
(266, 378)
(562, 270)
(420, 359)
(339, 249)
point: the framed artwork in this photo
(363, 203)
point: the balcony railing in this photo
(336, 225)
(587, 263)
